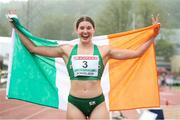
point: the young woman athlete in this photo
(85, 62)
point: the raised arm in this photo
(129, 54)
(41, 50)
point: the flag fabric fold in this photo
(127, 84)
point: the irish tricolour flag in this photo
(127, 84)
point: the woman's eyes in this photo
(88, 28)
(81, 28)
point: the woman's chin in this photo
(88, 40)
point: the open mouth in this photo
(85, 36)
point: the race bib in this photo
(85, 65)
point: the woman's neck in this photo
(85, 48)
(85, 45)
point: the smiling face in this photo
(85, 29)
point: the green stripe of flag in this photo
(32, 76)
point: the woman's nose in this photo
(85, 31)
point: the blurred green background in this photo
(55, 19)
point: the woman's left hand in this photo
(155, 20)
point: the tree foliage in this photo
(55, 19)
(51, 19)
(123, 15)
(165, 49)
(115, 17)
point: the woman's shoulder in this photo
(67, 47)
(104, 49)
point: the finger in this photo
(14, 11)
(11, 11)
(157, 18)
(10, 20)
(8, 17)
(153, 19)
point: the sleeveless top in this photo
(85, 67)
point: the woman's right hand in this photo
(10, 13)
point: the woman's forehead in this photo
(85, 23)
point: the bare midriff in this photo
(86, 88)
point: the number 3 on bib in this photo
(85, 65)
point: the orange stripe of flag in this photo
(133, 82)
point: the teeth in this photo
(85, 36)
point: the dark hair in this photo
(84, 18)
